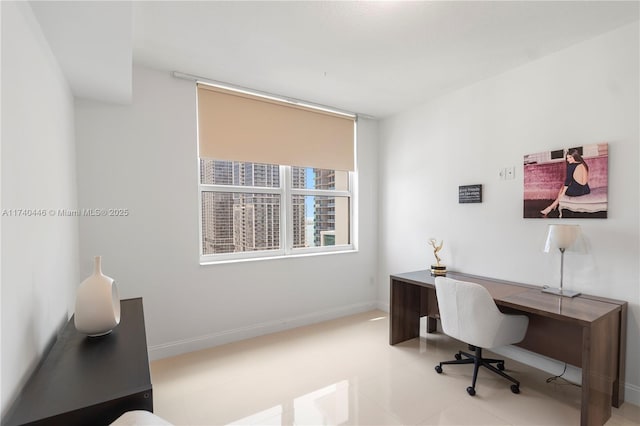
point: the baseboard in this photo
(555, 367)
(632, 394)
(541, 362)
(170, 349)
(383, 306)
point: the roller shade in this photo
(242, 127)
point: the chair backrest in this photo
(468, 313)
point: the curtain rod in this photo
(223, 85)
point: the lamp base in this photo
(561, 292)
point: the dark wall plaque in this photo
(470, 194)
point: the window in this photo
(275, 179)
(261, 210)
(240, 205)
(323, 199)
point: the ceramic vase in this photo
(97, 303)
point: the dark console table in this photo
(89, 380)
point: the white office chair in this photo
(468, 313)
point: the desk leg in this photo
(432, 324)
(599, 369)
(618, 384)
(405, 312)
(429, 302)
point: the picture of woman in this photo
(567, 183)
(576, 182)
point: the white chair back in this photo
(468, 313)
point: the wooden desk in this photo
(586, 331)
(89, 381)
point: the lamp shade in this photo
(562, 237)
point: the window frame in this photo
(286, 193)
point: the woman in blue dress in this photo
(576, 181)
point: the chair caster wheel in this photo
(500, 366)
(515, 388)
(438, 369)
(471, 391)
(458, 356)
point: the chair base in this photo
(479, 361)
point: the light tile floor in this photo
(344, 372)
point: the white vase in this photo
(97, 303)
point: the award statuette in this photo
(438, 269)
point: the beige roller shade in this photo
(236, 126)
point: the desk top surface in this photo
(583, 309)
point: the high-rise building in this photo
(325, 215)
(256, 217)
(217, 208)
(238, 221)
(299, 209)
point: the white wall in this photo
(39, 254)
(585, 94)
(143, 158)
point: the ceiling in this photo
(93, 43)
(373, 58)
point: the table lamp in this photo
(563, 238)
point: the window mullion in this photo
(320, 192)
(286, 209)
(243, 189)
(353, 205)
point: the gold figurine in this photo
(438, 268)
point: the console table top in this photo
(81, 371)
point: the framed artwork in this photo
(567, 183)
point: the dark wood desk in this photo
(89, 381)
(586, 331)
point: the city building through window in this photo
(260, 209)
